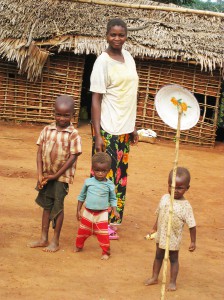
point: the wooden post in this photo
(154, 7)
(163, 287)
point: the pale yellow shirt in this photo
(118, 82)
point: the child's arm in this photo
(154, 228)
(78, 213)
(81, 199)
(68, 164)
(192, 246)
(39, 167)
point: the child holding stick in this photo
(182, 213)
(98, 193)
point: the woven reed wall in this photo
(206, 88)
(22, 100)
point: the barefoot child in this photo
(182, 213)
(59, 145)
(98, 193)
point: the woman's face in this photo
(116, 37)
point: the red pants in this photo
(94, 222)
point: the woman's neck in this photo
(115, 54)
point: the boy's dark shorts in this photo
(51, 197)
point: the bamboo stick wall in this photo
(22, 100)
(206, 88)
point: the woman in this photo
(114, 84)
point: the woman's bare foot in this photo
(77, 249)
(172, 287)
(105, 257)
(51, 248)
(151, 281)
(40, 243)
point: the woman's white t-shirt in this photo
(118, 82)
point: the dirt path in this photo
(32, 274)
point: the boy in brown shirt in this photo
(59, 145)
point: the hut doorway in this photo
(86, 95)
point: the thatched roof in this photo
(30, 30)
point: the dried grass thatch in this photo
(30, 30)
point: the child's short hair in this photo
(66, 100)
(116, 22)
(102, 158)
(181, 172)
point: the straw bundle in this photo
(30, 58)
(80, 27)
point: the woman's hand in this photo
(99, 144)
(134, 137)
(117, 215)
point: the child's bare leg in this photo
(43, 241)
(156, 266)
(54, 244)
(174, 268)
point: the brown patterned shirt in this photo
(57, 146)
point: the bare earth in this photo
(27, 273)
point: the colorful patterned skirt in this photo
(118, 147)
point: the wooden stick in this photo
(163, 288)
(153, 7)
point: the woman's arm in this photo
(96, 116)
(134, 137)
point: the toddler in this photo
(182, 213)
(98, 193)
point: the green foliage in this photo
(221, 112)
(207, 5)
(198, 4)
(178, 2)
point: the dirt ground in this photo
(27, 273)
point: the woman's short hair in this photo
(116, 22)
